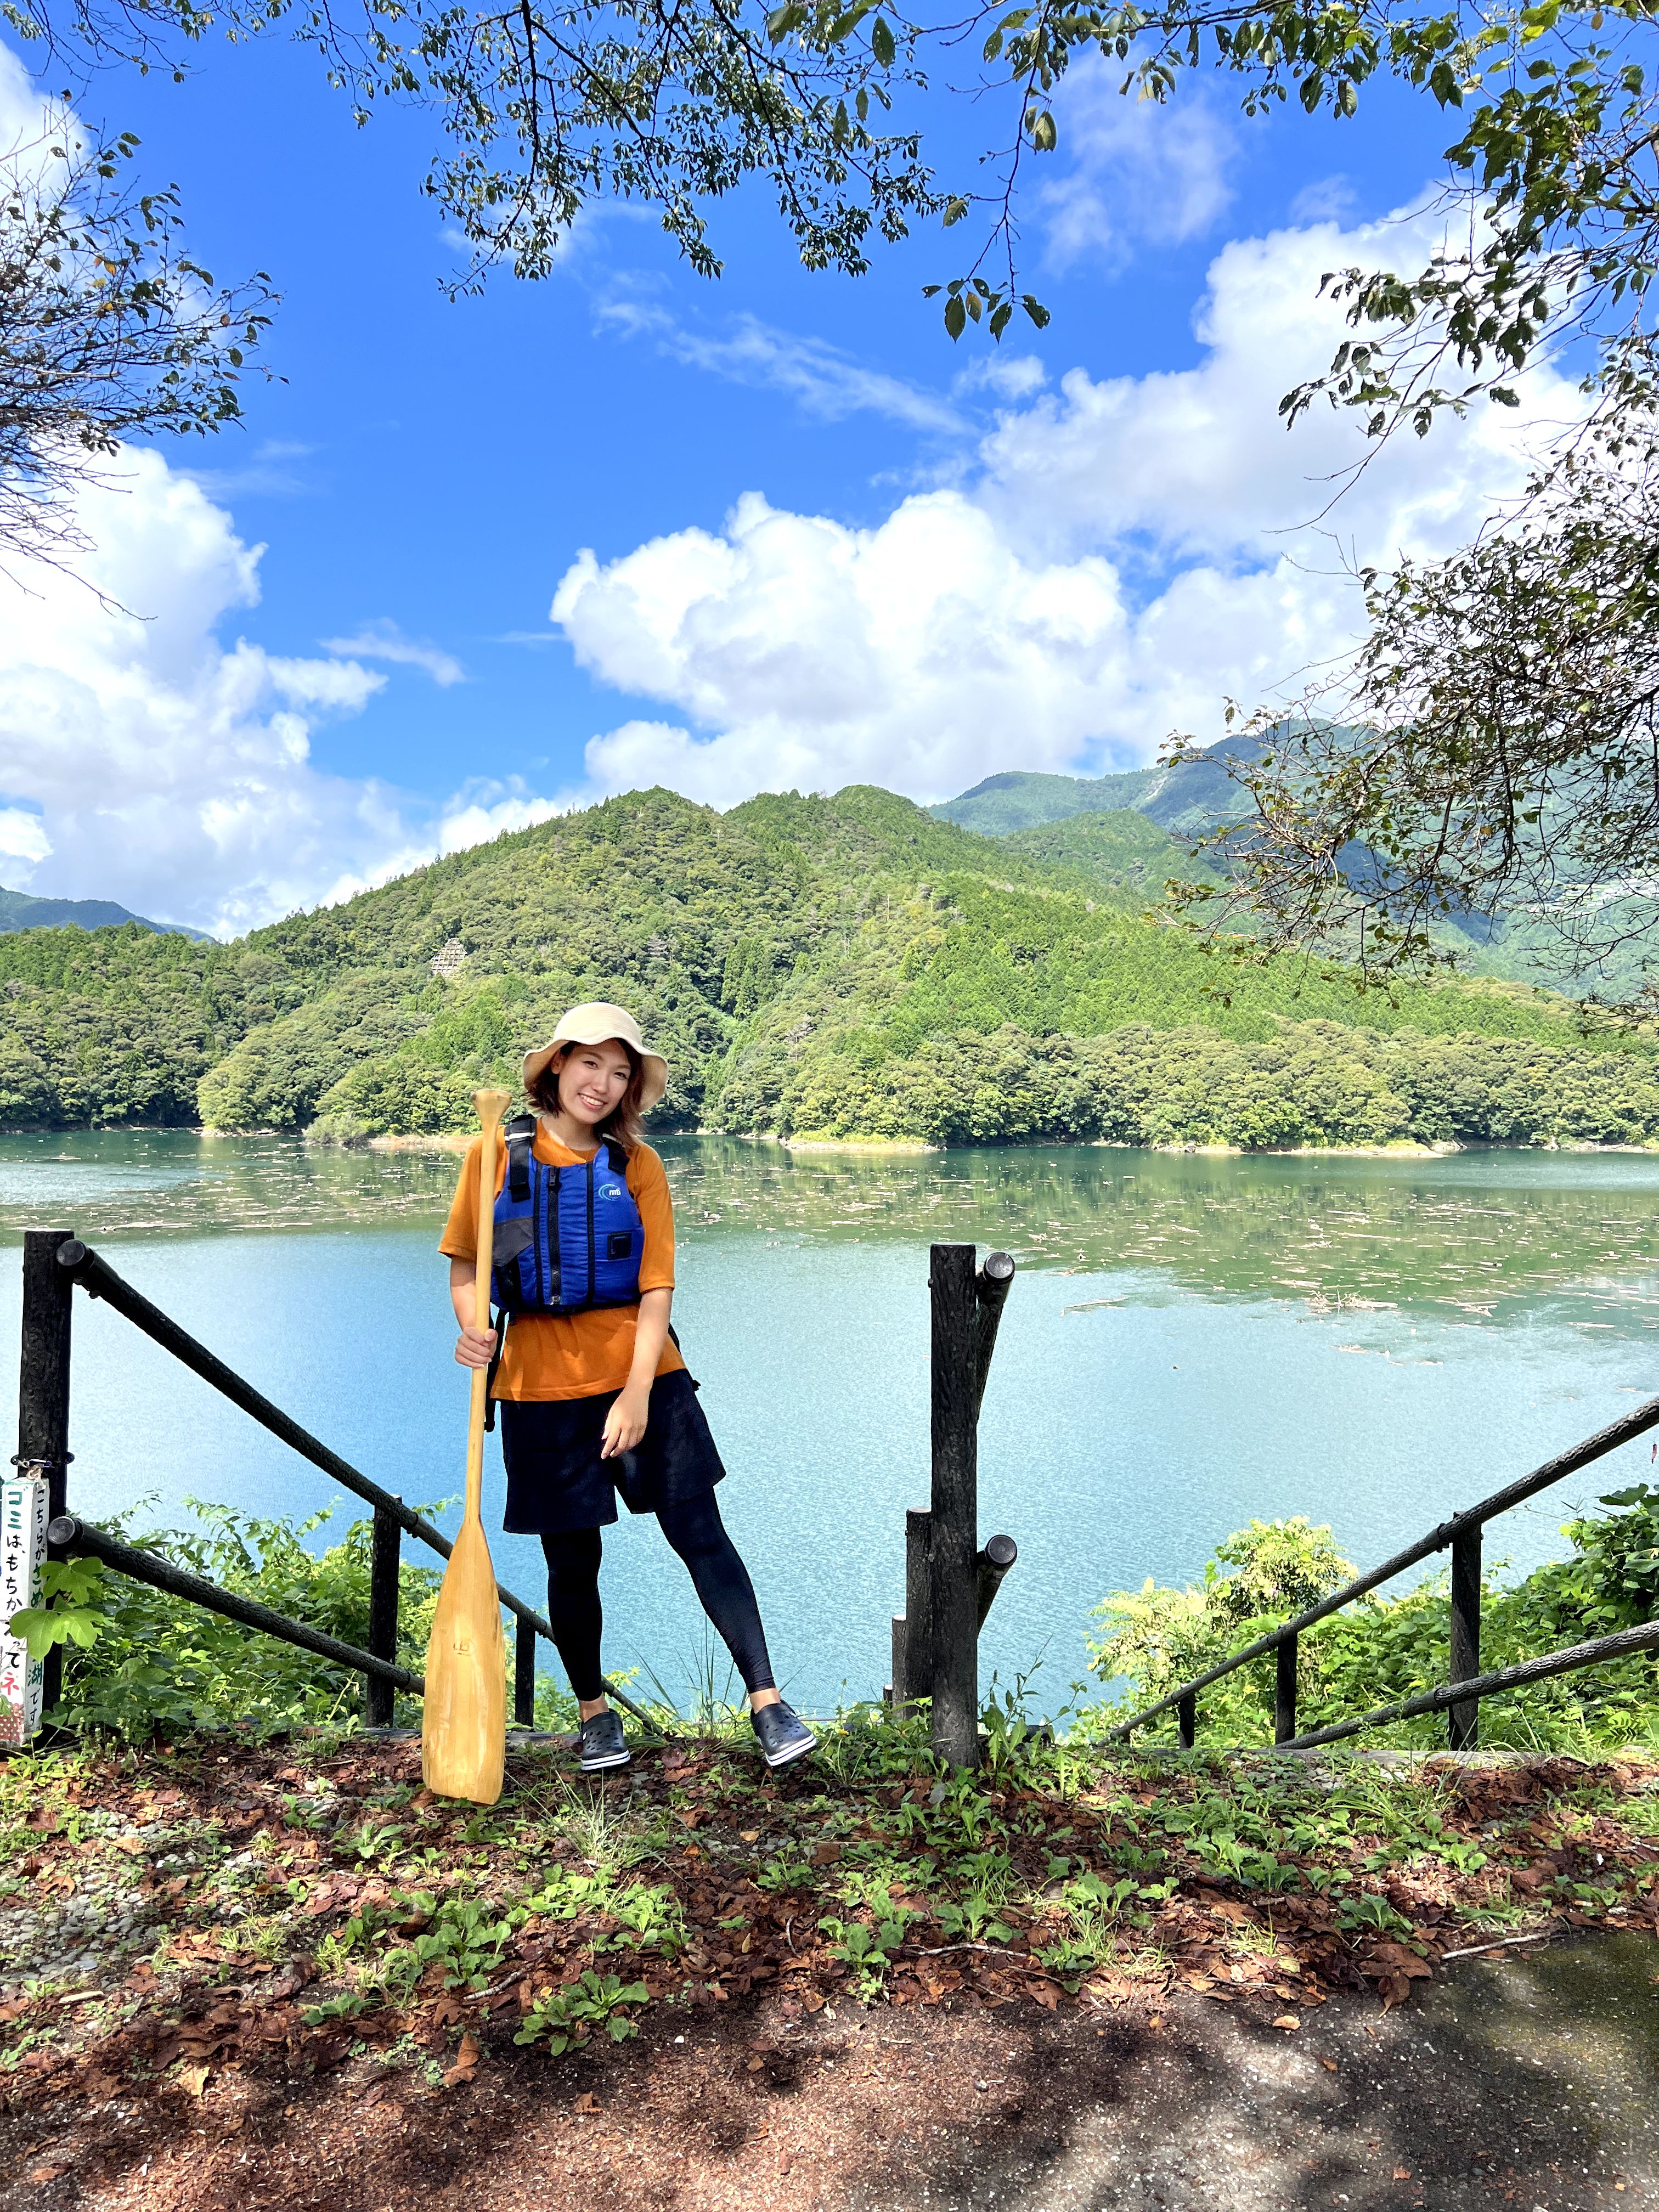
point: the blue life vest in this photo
(566, 1238)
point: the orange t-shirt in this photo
(581, 1354)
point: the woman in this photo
(594, 1396)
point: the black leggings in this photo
(698, 1534)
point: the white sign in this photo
(22, 1557)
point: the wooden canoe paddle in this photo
(464, 1729)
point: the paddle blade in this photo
(464, 1731)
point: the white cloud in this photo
(1327, 199)
(1142, 171)
(384, 641)
(147, 762)
(485, 809)
(338, 683)
(1131, 552)
(823, 654)
(267, 472)
(1196, 462)
(23, 839)
(31, 124)
(1009, 375)
(826, 382)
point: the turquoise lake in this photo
(1190, 1342)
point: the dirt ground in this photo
(1524, 2078)
(202, 2009)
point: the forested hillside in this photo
(20, 910)
(1125, 855)
(848, 966)
(1084, 821)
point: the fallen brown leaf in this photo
(466, 2062)
(587, 2104)
(1287, 2020)
(195, 2078)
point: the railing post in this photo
(43, 1390)
(1285, 1690)
(1463, 1721)
(992, 1563)
(913, 1630)
(991, 1287)
(382, 1616)
(1187, 1714)
(524, 1675)
(955, 1530)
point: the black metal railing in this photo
(54, 1262)
(1460, 1696)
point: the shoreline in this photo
(456, 1140)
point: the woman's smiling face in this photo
(592, 1079)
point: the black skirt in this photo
(557, 1481)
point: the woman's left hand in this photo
(625, 1423)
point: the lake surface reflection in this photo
(1192, 1341)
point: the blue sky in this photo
(826, 544)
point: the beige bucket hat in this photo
(597, 1023)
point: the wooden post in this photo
(1284, 1691)
(1186, 1713)
(382, 1616)
(524, 1675)
(913, 1630)
(1463, 1721)
(993, 1562)
(43, 1391)
(991, 1287)
(954, 1533)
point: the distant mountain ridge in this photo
(19, 911)
(1063, 819)
(1186, 800)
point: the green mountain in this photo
(1022, 799)
(1123, 855)
(846, 966)
(1051, 817)
(19, 911)
(1187, 799)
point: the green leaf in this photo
(844, 26)
(43, 1628)
(954, 211)
(881, 43)
(1036, 310)
(956, 316)
(1044, 136)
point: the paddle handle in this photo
(491, 1105)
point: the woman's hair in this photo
(622, 1123)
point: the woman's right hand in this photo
(475, 1347)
